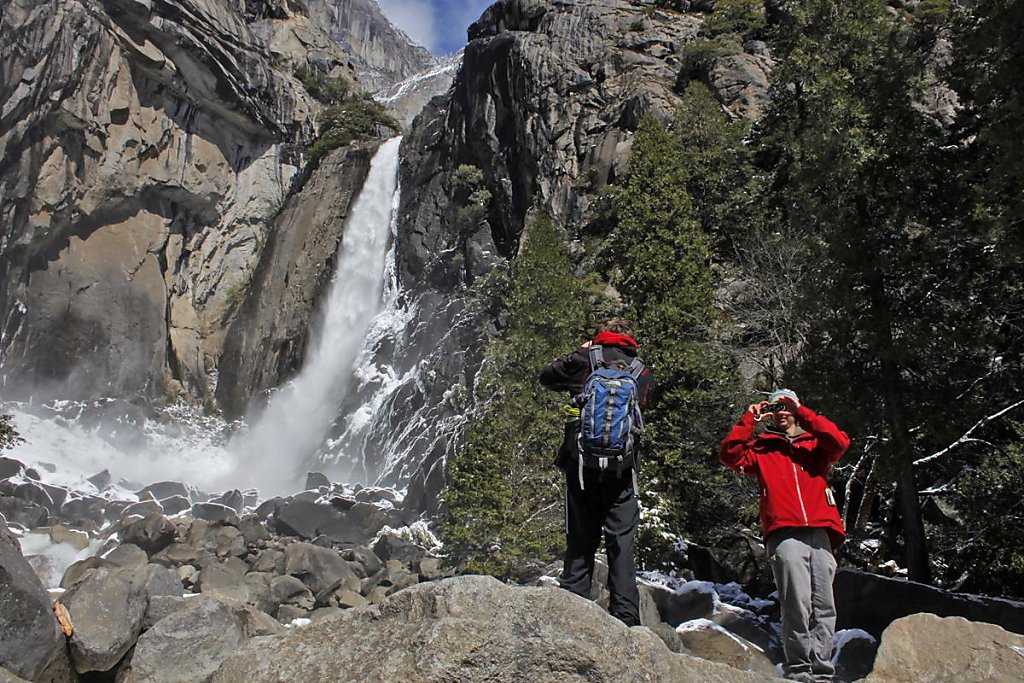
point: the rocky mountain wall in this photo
(155, 194)
(147, 147)
(544, 107)
(144, 146)
(267, 339)
(381, 54)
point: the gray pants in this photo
(804, 568)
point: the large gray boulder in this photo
(288, 590)
(322, 570)
(226, 579)
(220, 538)
(10, 467)
(307, 519)
(107, 608)
(925, 647)
(872, 602)
(24, 513)
(854, 654)
(468, 629)
(705, 639)
(189, 644)
(166, 489)
(8, 677)
(31, 644)
(152, 533)
(692, 600)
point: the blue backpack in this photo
(610, 420)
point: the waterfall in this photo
(373, 402)
(275, 452)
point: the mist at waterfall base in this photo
(282, 441)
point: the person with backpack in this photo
(609, 386)
(792, 458)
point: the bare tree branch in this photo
(966, 438)
(540, 512)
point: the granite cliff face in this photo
(147, 147)
(380, 54)
(545, 107)
(164, 233)
(267, 339)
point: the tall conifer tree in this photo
(665, 275)
(505, 497)
(858, 169)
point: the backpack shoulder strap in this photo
(636, 368)
(596, 357)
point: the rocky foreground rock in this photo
(31, 644)
(184, 586)
(468, 629)
(924, 647)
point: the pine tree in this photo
(980, 465)
(719, 175)
(665, 275)
(859, 171)
(505, 497)
(987, 76)
(843, 101)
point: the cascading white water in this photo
(275, 451)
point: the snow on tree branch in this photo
(966, 438)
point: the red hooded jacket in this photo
(792, 472)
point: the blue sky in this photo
(439, 24)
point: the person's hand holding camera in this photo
(762, 409)
(758, 409)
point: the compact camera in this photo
(773, 407)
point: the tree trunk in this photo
(889, 530)
(894, 399)
(857, 520)
(908, 502)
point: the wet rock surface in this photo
(30, 639)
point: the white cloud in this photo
(415, 17)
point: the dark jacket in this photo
(792, 473)
(569, 372)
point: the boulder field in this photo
(345, 583)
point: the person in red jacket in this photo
(792, 459)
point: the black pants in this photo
(606, 503)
